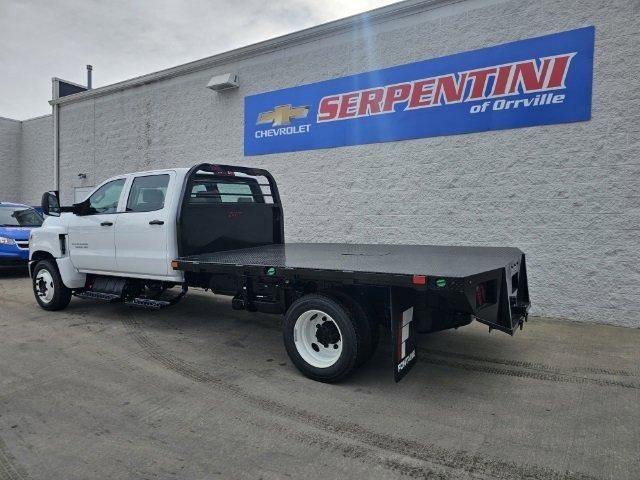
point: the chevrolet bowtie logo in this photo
(282, 115)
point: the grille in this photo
(23, 244)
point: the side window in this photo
(147, 193)
(105, 199)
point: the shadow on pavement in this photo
(14, 272)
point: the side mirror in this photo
(81, 208)
(51, 203)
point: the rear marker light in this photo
(481, 295)
(174, 264)
(419, 280)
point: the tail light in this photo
(486, 293)
(419, 280)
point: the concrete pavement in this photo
(201, 391)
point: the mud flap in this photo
(403, 332)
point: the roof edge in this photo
(335, 27)
(26, 119)
(37, 118)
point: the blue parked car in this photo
(16, 223)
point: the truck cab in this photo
(126, 226)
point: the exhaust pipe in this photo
(89, 72)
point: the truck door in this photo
(143, 228)
(92, 235)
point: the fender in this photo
(51, 241)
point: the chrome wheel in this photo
(44, 286)
(317, 338)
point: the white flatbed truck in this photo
(221, 228)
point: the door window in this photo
(147, 193)
(105, 199)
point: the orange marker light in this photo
(174, 264)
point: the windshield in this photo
(19, 217)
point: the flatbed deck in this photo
(429, 260)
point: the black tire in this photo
(369, 326)
(351, 337)
(61, 294)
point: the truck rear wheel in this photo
(323, 337)
(51, 294)
(371, 329)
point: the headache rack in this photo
(225, 207)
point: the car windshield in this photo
(19, 217)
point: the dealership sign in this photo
(537, 81)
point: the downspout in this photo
(55, 94)
(56, 148)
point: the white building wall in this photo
(566, 194)
(26, 159)
(9, 156)
(36, 159)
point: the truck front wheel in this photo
(50, 292)
(322, 337)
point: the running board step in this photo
(107, 297)
(148, 303)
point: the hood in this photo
(17, 233)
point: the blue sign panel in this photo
(538, 81)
